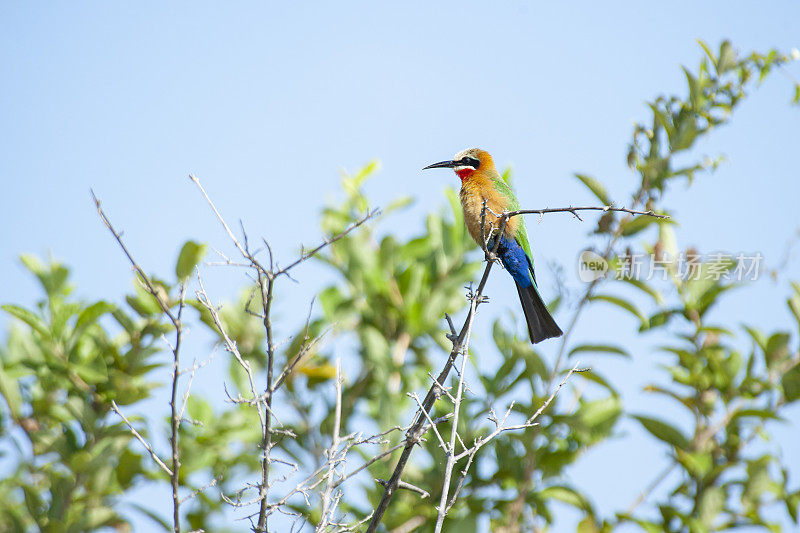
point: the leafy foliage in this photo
(58, 378)
(66, 360)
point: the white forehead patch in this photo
(469, 152)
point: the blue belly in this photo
(515, 260)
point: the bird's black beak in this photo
(442, 164)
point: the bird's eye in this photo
(470, 162)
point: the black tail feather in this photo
(541, 324)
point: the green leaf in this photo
(624, 304)
(707, 50)
(757, 336)
(129, 466)
(637, 224)
(92, 313)
(152, 516)
(26, 316)
(712, 502)
(602, 348)
(685, 133)
(191, 254)
(600, 380)
(647, 526)
(600, 415)
(93, 372)
(791, 383)
(758, 480)
(32, 263)
(398, 204)
(587, 525)
(663, 431)
(461, 524)
(644, 287)
(9, 388)
(365, 172)
(668, 241)
(695, 91)
(53, 277)
(143, 303)
(515, 349)
(567, 495)
(727, 57)
(794, 301)
(764, 414)
(596, 187)
(777, 349)
(506, 175)
(792, 503)
(697, 464)
(660, 318)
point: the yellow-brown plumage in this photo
(477, 185)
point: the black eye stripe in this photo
(470, 162)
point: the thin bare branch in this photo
(574, 211)
(327, 242)
(230, 344)
(407, 486)
(233, 238)
(192, 370)
(195, 492)
(451, 450)
(414, 433)
(158, 295)
(163, 301)
(153, 454)
(175, 418)
(500, 427)
(329, 499)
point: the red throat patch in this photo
(465, 173)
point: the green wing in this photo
(513, 205)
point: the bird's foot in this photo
(452, 336)
(472, 295)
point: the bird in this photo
(480, 182)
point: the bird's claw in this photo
(453, 335)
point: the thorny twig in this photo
(407, 486)
(459, 346)
(175, 413)
(460, 341)
(175, 418)
(329, 498)
(451, 449)
(230, 344)
(153, 454)
(266, 275)
(574, 211)
(500, 427)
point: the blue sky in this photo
(266, 103)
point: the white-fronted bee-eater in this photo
(480, 182)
